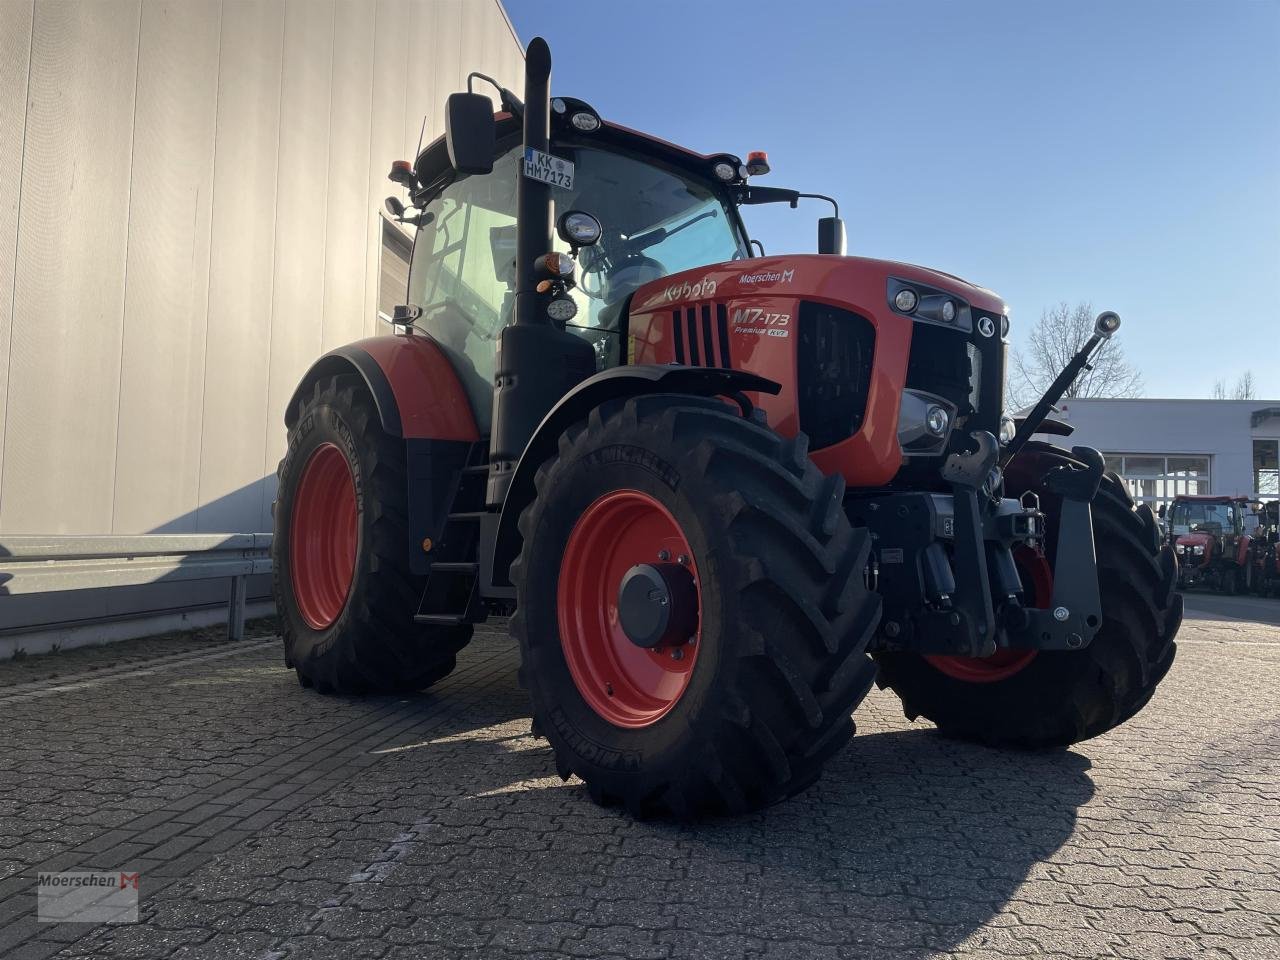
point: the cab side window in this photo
(463, 273)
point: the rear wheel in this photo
(343, 588)
(692, 614)
(1056, 698)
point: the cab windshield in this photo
(656, 221)
(1190, 516)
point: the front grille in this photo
(833, 372)
(940, 364)
(700, 340)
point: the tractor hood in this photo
(859, 283)
(1197, 539)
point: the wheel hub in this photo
(628, 618)
(323, 537)
(658, 605)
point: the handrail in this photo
(31, 564)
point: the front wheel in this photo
(692, 614)
(1055, 698)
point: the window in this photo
(1191, 516)
(393, 274)
(1158, 479)
(1266, 474)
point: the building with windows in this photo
(191, 212)
(1167, 447)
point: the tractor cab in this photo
(661, 210)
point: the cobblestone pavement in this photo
(269, 823)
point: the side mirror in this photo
(470, 132)
(831, 237)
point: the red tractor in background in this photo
(1263, 572)
(1213, 539)
(719, 493)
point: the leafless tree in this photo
(1058, 335)
(1245, 389)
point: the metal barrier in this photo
(36, 564)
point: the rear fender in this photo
(613, 384)
(414, 386)
(419, 399)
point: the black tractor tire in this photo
(373, 645)
(785, 613)
(1064, 697)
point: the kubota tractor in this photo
(1212, 536)
(715, 490)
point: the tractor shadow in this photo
(909, 843)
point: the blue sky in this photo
(1122, 153)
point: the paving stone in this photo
(284, 824)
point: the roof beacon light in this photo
(757, 163)
(402, 173)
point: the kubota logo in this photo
(706, 287)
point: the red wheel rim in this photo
(1004, 663)
(322, 536)
(627, 685)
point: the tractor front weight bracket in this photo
(1075, 613)
(948, 577)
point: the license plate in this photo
(548, 169)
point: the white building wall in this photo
(1219, 429)
(189, 215)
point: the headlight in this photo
(1180, 549)
(1007, 430)
(922, 302)
(578, 229)
(1197, 549)
(936, 420)
(923, 423)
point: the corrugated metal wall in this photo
(189, 197)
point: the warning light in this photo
(402, 173)
(757, 163)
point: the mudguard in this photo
(420, 399)
(615, 383)
(414, 385)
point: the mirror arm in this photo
(505, 96)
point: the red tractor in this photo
(717, 492)
(1212, 536)
(1262, 575)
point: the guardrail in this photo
(39, 564)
